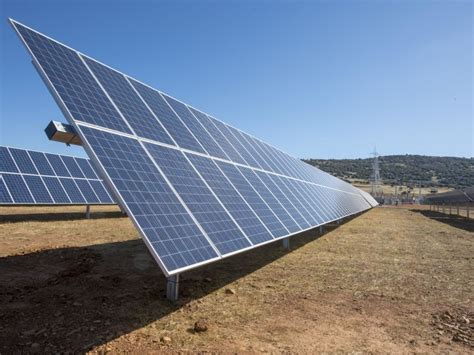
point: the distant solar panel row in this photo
(31, 177)
(196, 188)
(460, 196)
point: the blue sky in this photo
(317, 79)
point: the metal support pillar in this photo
(338, 222)
(88, 211)
(321, 229)
(467, 210)
(172, 287)
(286, 243)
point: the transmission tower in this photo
(375, 178)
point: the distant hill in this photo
(404, 170)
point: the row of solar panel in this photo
(99, 95)
(456, 196)
(235, 207)
(189, 208)
(31, 177)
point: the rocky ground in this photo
(394, 280)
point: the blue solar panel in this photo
(229, 150)
(129, 103)
(72, 167)
(260, 207)
(276, 206)
(167, 117)
(72, 191)
(4, 195)
(73, 82)
(284, 200)
(41, 163)
(18, 189)
(86, 168)
(57, 164)
(190, 208)
(6, 162)
(225, 130)
(217, 223)
(56, 190)
(38, 189)
(173, 234)
(100, 191)
(232, 201)
(23, 161)
(87, 191)
(196, 128)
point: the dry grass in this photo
(391, 280)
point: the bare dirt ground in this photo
(393, 280)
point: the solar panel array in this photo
(461, 196)
(29, 177)
(196, 188)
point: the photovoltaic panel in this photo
(41, 163)
(4, 195)
(268, 217)
(229, 150)
(270, 199)
(56, 190)
(86, 168)
(36, 182)
(237, 207)
(38, 189)
(129, 103)
(205, 190)
(196, 128)
(72, 167)
(6, 161)
(154, 207)
(180, 133)
(18, 189)
(214, 219)
(23, 161)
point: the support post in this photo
(286, 243)
(338, 222)
(467, 210)
(172, 287)
(321, 229)
(457, 207)
(88, 211)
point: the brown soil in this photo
(393, 280)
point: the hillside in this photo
(405, 169)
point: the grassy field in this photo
(394, 280)
(390, 190)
